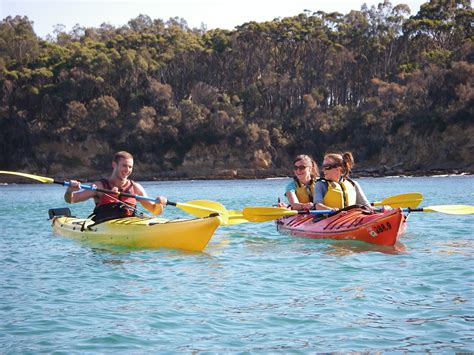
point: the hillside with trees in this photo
(397, 90)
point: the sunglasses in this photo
(300, 167)
(330, 166)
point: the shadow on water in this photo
(116, 254)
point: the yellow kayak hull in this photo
(186, 234)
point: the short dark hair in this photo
(122, 155)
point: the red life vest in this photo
(112, 198)
(111, 206)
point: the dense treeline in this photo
(395, 89)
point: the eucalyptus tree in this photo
(19, 44)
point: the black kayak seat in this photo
(59, 212)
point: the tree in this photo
(18, 41)
(103, 110)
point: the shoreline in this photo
(261, 174)
(175, 176)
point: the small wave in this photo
(447, 175)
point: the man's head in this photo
(122, 165)
(122, 155)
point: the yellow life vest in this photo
(340, 194)
(304, 192)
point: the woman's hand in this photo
(302, 206)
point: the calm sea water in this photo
(251, 290)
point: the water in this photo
(251, 290)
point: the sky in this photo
(224, 14)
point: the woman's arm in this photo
(293, 200)
(361, 199)
(320, 190)
(295, 204)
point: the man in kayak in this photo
(336, 190)
(111, 206)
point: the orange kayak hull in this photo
(381, 228)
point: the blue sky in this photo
(213, 13)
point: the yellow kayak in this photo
(186, 234)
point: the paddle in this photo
(446, 209)
(236, 217)
(406, 200)
(233, 216)
(193, 209)
(264, 214)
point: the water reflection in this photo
(327, 246)
(343, 248)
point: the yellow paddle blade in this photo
(43, 179)
(408, 200)
(203, 208)
(451, 209)
(264, 214)
(228, 217)
(236, 217)
(212, 205)
(233, 216)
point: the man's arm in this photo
(155, 208)
(74, 193)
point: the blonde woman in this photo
(300, 190)
(336, 190)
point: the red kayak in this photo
(382, 228)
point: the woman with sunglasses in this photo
(300, 190)
(336, 190)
